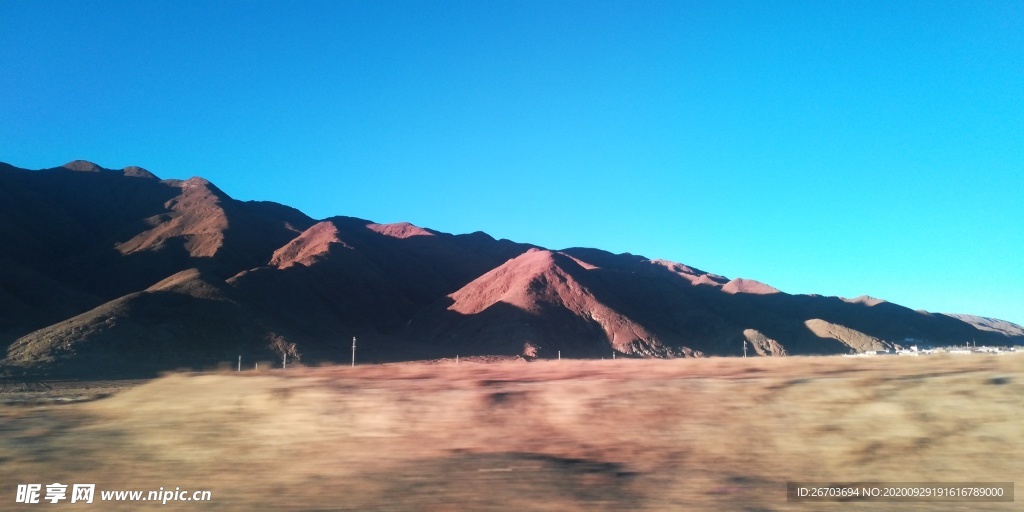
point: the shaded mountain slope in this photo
(189, 320)
(30, 299)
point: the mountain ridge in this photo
(119, 272)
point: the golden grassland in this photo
(688, 434)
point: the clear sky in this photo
(839, 148)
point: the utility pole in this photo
(353, 351)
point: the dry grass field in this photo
(694, 434)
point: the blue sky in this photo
(840, 148)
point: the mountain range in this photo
(116, 272)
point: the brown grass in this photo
(706, 434)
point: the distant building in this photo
(879, 353)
